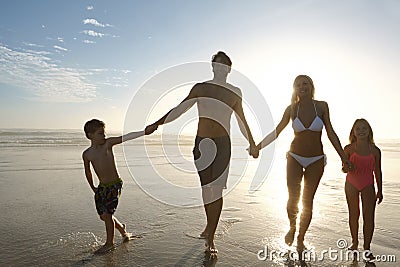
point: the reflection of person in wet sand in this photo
(216, 101)
(305, 157)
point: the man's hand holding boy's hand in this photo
(150, 129)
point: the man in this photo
(216, 101)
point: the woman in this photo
(306, 157)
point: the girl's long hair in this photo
(353, 138)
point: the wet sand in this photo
(48, 216)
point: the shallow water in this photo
(49, 219)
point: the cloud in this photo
(96, 23)
(60, 39)
(89, 42)
(32, 44)
(60, 48)
(89, 7)
(93, 33)
(37, 72)
(93, 22)
(40, 53)
(110, 77)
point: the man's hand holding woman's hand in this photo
(253, 150)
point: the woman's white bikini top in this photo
(316, 125)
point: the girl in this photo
(366, 159)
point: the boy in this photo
(101, 156)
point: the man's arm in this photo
(177, 111)
(244, 127)
(88, 172)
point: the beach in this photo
(49, 219)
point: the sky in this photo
(65, 62)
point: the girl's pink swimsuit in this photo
(363, 175)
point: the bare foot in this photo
(354, 251)
(105, 248)
(369, 257)
(124, 228)
(125, 235)
(289, 237)
(210, 247)
(300, 245)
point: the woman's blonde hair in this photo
(353, 138)
(295, 98)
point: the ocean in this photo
(48, 216)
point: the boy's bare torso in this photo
(103, 162)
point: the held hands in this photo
(150, 129)
(253, 150)
(347, 166)
(379, 197)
